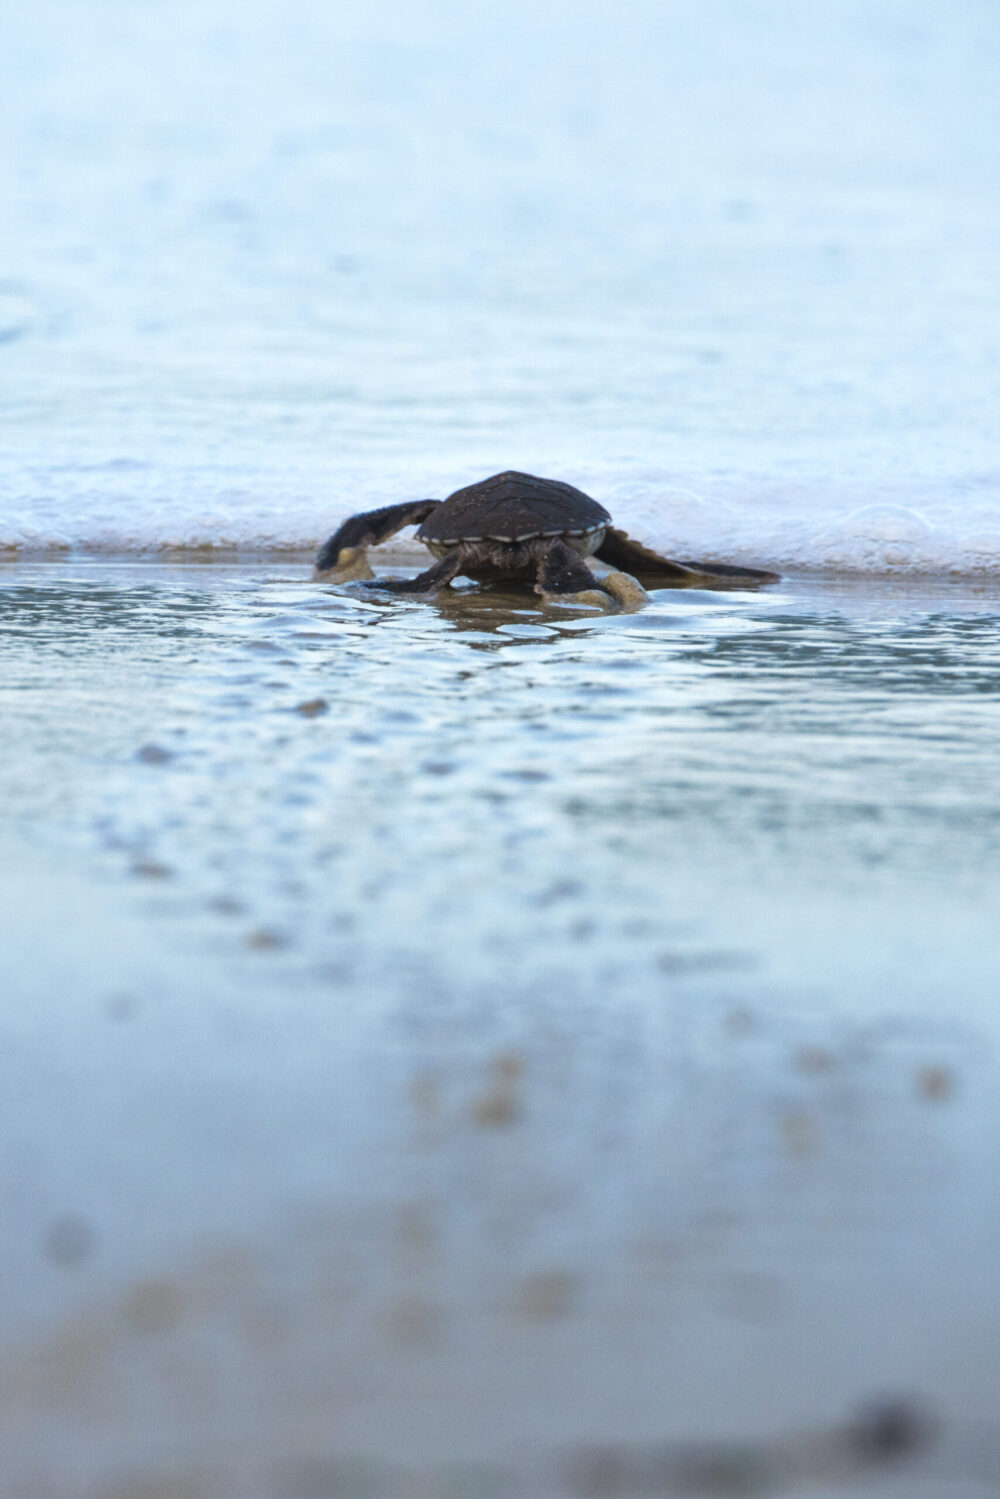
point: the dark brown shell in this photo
(513, 507)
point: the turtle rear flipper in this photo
(563, 575)
(366, 530)
(725, 575)
(562, 570)
(620, 551)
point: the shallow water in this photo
(444, 1036)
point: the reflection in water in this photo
(578, 1021)
(74, 612)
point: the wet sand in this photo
(477, 1049)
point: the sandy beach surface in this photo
(478, 1049)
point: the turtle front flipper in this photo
(620, 551)
(438, 576)
(343, 556)
(563, 575)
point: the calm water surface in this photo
(509, 1028)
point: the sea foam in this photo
(730, 269)
(129, 511)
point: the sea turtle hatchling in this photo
(514, 527)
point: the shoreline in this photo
(407, 555)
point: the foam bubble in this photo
(883, 538)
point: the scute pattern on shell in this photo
(513, 507)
